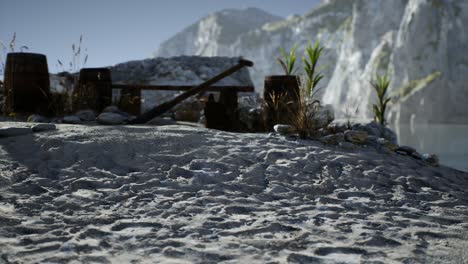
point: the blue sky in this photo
(114, 31)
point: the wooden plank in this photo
(162, 108)
(245, 89)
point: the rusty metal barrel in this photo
(281, 95)
(27, 84)
(94, 89)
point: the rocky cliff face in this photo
(214, 34)
(420, 43)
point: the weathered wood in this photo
(27, 83)
(161, 109)
(130, 101)
(94, 89)
(217, 88)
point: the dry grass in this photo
(303, 115)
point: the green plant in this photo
(313, 74)
(380, 85)
(288, 61)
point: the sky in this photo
(113, 31)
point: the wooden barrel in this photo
(94, 89)
(281, 94)
(27, 85)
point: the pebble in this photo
(43, 127)
(431, 159)
(71, 119)
(284, 129)
(356, 136)
(108, 118)
(407, 149)
(14, 131)
(86, 115)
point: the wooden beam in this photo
(245, 89)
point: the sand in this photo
(179, 194)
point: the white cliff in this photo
(420, 43)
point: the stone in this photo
(43, 127)
(161, 121)
(284, 129)
(416, 155)
(115, 109)
(431, 159)
(333, 139)
(337, 128)
(14, 131)
(71, 119)
(109, 118)
(407, 149)
(37, 119)
(376, 129)
(356, 136)
(387, 144)
(86, 115)
(324, 116)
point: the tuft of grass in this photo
(76, 63)
(288, 61)
(380, 85)
(4, 51)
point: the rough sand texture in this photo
(179, 194)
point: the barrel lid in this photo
(281, 77)
(25, 54)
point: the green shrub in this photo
(310, 66)
(380, 85)
(288, 61)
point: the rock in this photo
(37, 119)
(347, 145)
(86, 115)
(14, 131)
(406, 149)
(368, 41)
(71, 119)
(416, 155)
(333, 139)
(376, 129)
(161, 121)
(116, 110)
(109, 118)
(387, 144)
(43, 127)
(284, 129)
(324, 116)
(431, 159)
(337, 128)
(356, 136)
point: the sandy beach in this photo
(180, 194)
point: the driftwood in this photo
(162, 108)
